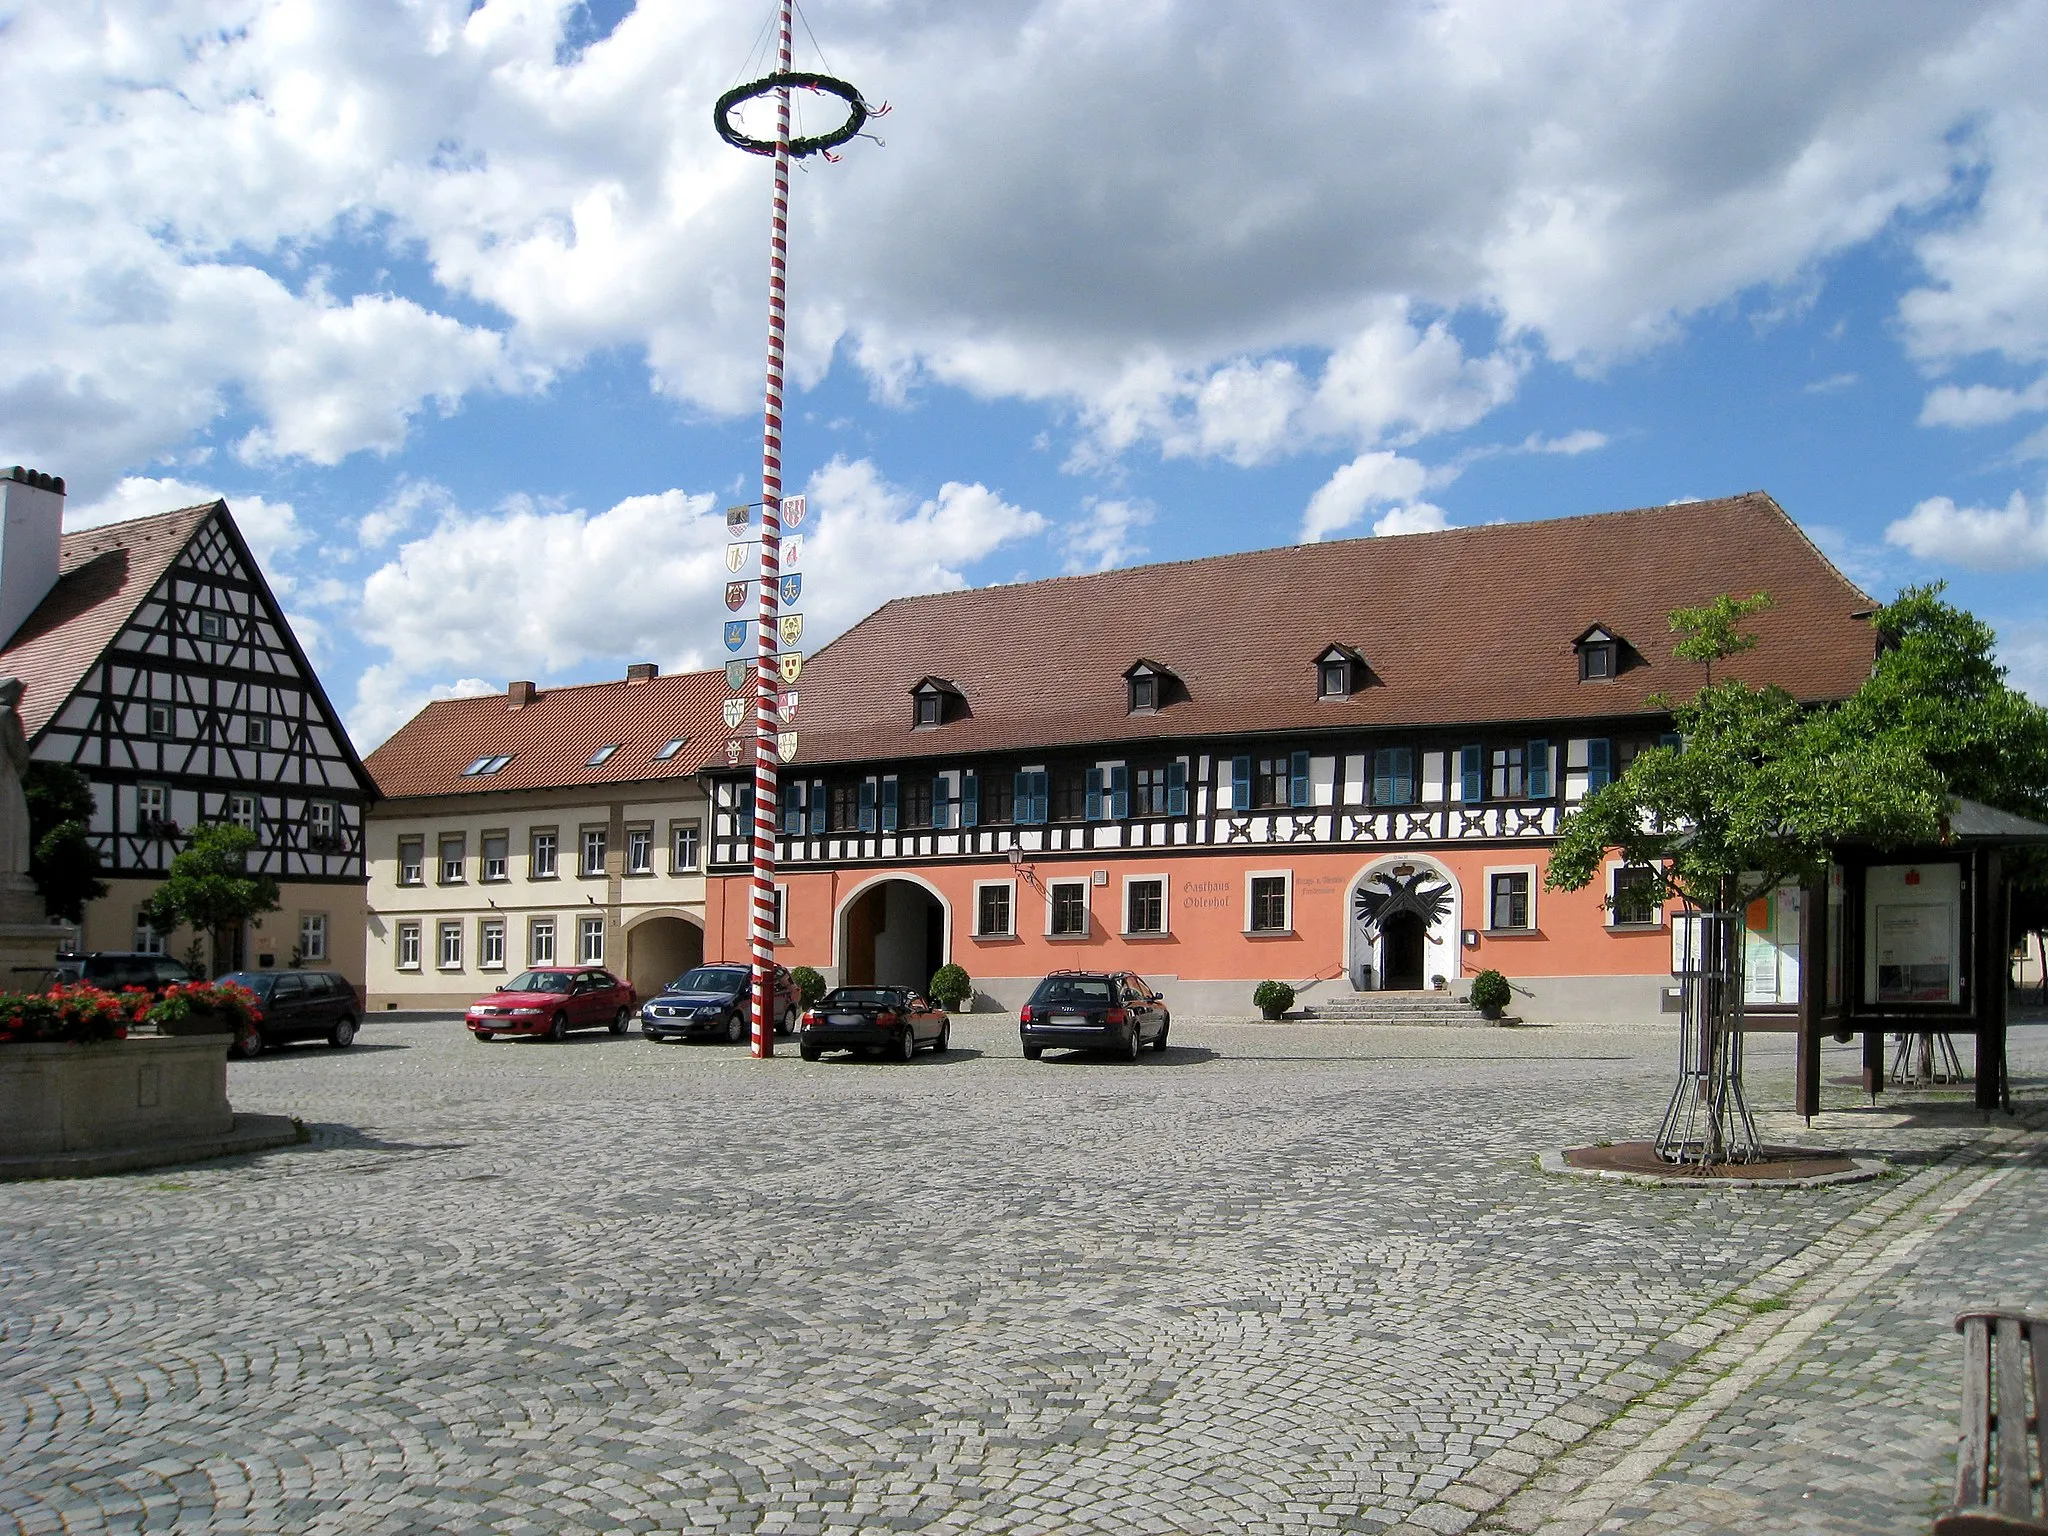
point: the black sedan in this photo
(892, 1019)
(714, 1002)
(1093, 1011)
(298, 1005)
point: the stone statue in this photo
(27, 942)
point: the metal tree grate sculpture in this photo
(1708, 1120)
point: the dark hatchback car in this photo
(714, 1001)
(1093, 1011)
(891, 1019)
(114, 969)
(298, 1005)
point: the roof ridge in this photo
(130, 524)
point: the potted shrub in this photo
(206, 1008)
(809, 984)
(1273, 999)
(1491, 993)
(951, 988)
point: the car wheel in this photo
(558, 1029)
(343, 1035)
(1159, 1045)
(789, 1018)
(808, 1052)
(249, 1042)
(482, 1036)
(621, 1021)
(1033, 1052)
(945, 1041)
(735, 1030)
(907, 1051)
(1134, 1045)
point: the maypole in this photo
(772, 665)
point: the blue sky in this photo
(460, 304)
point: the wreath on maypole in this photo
(857, 113)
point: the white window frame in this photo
(147, 940)
(323, 818)
(1165, 928)
(1087, 910)
(640, 849)
(312, 936)
(692, 829)
(484, 862)
(538, 838)
(446, 929)
(1614, 868)
(586, 837)
(407, 943)
(1486, 895)
(441, 845)
(488, 930)
(1009, 886)
(151, 712)
(419, 876)
(144, 794)
(538, 928)
(1286, 876)
(779, 925)
(241, 810)
(213, 624)
(589, 926)
(256, 731)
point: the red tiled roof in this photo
(553, 738)
(1463, 626)
(104, 574)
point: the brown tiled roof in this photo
(104, 574)
(1464, 626)
(553, 738)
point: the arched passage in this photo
(892, 933)
(1401, 924)
(659, 949)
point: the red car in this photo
(551, 1001)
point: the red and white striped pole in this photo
(765, 642)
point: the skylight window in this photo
(671, 749)
(496, 763)
(601, 756)
(476, 767)
(487, 764)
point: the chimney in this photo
(641, 671)
(518, 695)
(31, 525)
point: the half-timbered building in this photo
(542, 826)
(1338, 765)
(155, 659)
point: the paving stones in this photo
(1280, 1279)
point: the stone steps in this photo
(1424, 1009)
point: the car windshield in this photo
(866, 997)
(259, 982)
(539, 981)
(1072, 989)
(710, 978)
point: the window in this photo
(846, 807)
(147, 940)
(593, 851)
(242, 811)
(778, 912)
(682, 846)
(1032, 797)
(256, 732)
(1069, 792)
(490, 944)
(1599, 764)
(1635, 899)
(639, 850)
(590, 941)
(1149, 790)
(321, 818)
(1273, 782)
(152, 805)
(1507, 901)
(670, 748)
(1393, 776)
(1334, 680)
(159, 720)
(1067, 909)
(540, 858)
(601, 756)
(487, 765)
(1268, 899)
(993, 917)
(212, 626)
(408, 946)
(312, 937)
(450, 948)
(1144, 694)
(1596, 661)
(540, 941)
(452, 860)
(927, 709)
(1508, 781)
(1145, 905)
(495, 855)
(997, 800)
(914, 802)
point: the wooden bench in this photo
(2004, 1448)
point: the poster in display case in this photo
(1913, 933)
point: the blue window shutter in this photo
(1240, 783)
(1297, 787)
(1383, 776)
(1599, 764)
(942, 802)
(867, 805)
(970, 800)
(1021, 797)
(743, 802)
(1472, 769)
(888, 805)
(1119, 792)
(1404, 775)
(1672, 740)
(818, 803)
(1093, 808)
(1538, 761)
(793, 811)
(1176, 788)
(1040, 811)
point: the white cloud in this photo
(1980, 538)
(1371, 479)
(544, 591)
(1418, 517)
(1981, 405)
(1832, 384)
(408, 502)
(272, 527)
(389, 695)
(1105, 535)
(2023, 651)
(1571, 444)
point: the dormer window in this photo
(1340, 672)
(1599, 652)
(1144, 694)
(1151, 687)
(933, 702)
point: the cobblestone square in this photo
(1282, 1278)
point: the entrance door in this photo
(1402, 937)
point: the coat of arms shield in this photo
(792, 628)
(737, 518)
(732, 754)
(788, 706)
(736, 676)
(735, 595)
(735, 556)
(792, 551)
(735, 634)
(792, 511)
(790, 664)
(735, 712)
(785, 744)
(792, 589)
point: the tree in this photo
(210, 887)
(63, 862)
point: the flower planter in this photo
(1273, 1015)
(65, 1097)
(200, 1021)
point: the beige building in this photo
(531, 827)
(155, 660)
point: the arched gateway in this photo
(1402, 924)
(892, 932)
(660, 946)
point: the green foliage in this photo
(810, 985)
(62, 861)
(951, 987)
(228, 1000)
(1273, 997)
(209, 885)
(1709, 634)
(1490, 991)
(77, 1013)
